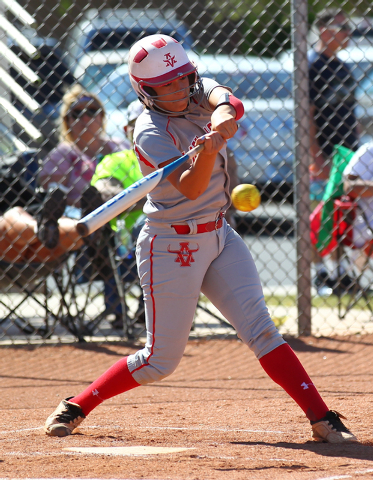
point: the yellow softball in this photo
(246, 197)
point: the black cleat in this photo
(63, 421)
(330, 429)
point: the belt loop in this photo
(193, 227)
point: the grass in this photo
(318, 302)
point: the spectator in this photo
(333, 121)
(358, 184)
(83, 144)
(72, 164)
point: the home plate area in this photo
(127, 451)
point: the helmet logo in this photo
(170, 60)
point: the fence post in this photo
(299, 18)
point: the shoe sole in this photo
(57, 431)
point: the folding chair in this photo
(23, 290)
(21, 282)
(346, 211)
(99, 262)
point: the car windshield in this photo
(108, 39)
(115, 92)
(255, 85)
(95, 73)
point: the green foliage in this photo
(265, 26)
(64, 6)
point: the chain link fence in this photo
(316, 272)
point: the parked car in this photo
(109, 30)
(263, 145)
(96, 66)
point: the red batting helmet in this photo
(157, 60)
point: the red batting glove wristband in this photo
(227, 99)
(237, 105)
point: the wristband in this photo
(227, 99)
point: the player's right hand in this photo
(223, 121)
(213, 143)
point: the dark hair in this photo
(326, 17)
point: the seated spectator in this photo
(72, 164)
(83, 144)
(358, 184)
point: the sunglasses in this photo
(90, 112)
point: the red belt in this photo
(201, 228)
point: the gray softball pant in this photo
(173, 270)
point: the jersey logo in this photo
(184, 255)
(170, 60)
(306, 386)
(191, 146)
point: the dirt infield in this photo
(219, 404)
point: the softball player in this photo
(186, 245)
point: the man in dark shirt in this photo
(332, 118)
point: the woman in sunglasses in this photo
(83, 143)
(71, 165)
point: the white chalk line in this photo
(219, 429)
(352, 475)
(335, 477)
(210, 457)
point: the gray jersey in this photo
(158, 138)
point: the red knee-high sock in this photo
(114, 381)
(284, 368)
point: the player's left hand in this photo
(223, 121)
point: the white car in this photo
(110, 30)
(96, 66)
